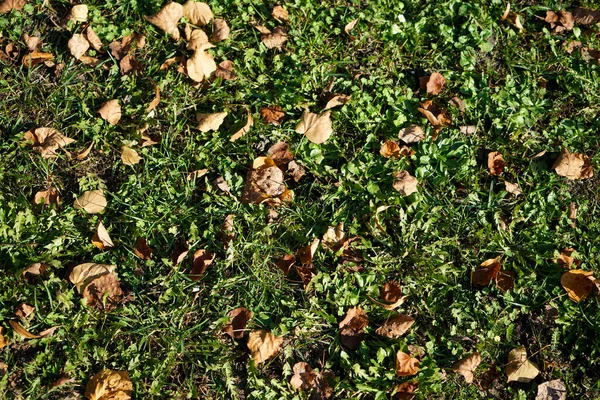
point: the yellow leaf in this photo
(129, 156)
(316, 127)
(22, 331)
(79, 13)
(519, 368)
(263, 345)
(109, 385)
(167, 19)
(92, 201)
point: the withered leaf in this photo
(197, 13)
(272, 115)
(141, 249)
(33, 42)
(406, 390)
(156, 101)
(411, 134)
(585, 16)
(577, 284)
(560, 21)
(349, 26)
(3, 339)
(433, 83)
(210, 122)
(519, 368)
(129, 156)
(573, 166)
(405, 183)
(220, 30)
(202, 64)
(352, 327)
(286, 263)
(334, 237)
(36, 57)
(436, 117)
(304, 376)
(79, 13)
(104, 292)
(496, 163)
(167, 19)
(280, 154)
(110, 111)
(93, 39)
(305, 254)
(337, 100)
(47, 141)
(8, 5)
(129, 64)
(275, 39)
(487, 271)
(552, 390)
(396, 326)
(101, 238)
(513, 188)
(245, 129)
(281, 14)
(109, 385)
(47, 197)
(86, 152)
(34, 270)
(83, 274)
(316, 127)
(196, 39)
(296, 170)
(238, 318)
(263, 345)
(406, 365)
(505, 280)
(467, 366)
(202, 260)
(92, 201)
(24, 310)
(225, 71)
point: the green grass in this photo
(522, 90)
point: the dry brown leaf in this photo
(101, 238)
(405, 183)
(304, 376)
(272, 115)
(496, 163)
(47, 140)
(245, 129)
(411, 134)
(406, 390)
(275, 39)
(316, 127)
(92, 201)
(573, 208)
(396, 326)
(202, 260)
(197, 39)
(83, 274)
(179, 253)
(238, 318)
(85, 153)
(222, 185)
(141, 249)
(560, 21)
(129, 156)
(199, 173)
(513, 188)
(334, 237)
(91, 61)
(227, 233)
(129, 64)
(36, 57)
(280, 154)
(156, 101)
(467, 366)
(34, 270)
(468, 129)
(110, 111)
(296, 170)
(573, 166)
(22, 331)
(220, 30)
(281, 14)
(210, 122)
(109, 385)
(78, 45)
(103, 292)
(349, 26)
(8, 5)
(552, 390)
(93, 39)
(263, 345)
(202, 64)
(286, 263)
(79, 13)
(519, 368)
(167, 19)
(585, 16)
(225, 71)
(24, 310)
(352, 327)
(33, 42)
(487, 271)
(305, 254)
(197, 13)
(565, 258)
(3, 339)
(505, 280)
(337, 100)
(47, 197)
(391, 149)
(406, 365)
(436, 117)
(577, 283)
(433, 83)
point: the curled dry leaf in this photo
(167, 19)
(275, 39)
(406, 365)
(390, 295)
(496, 163)
(286, 263)
(141, 249)
(305, 254)
(34, 270)
(47, 140)
(566, 259)
(196, 39)
(199, 173)
(202, 64)
(8, 5)
(24, 310)
(83, 274)
(337, 100)
(349, 26)
(210, 122)
(552, 390)
(436, 116)
(245, 129)
(129, 156)
(101, 238)
(585, 16)
(109, 385)
(305, 378)
(79, 13)
(47, 198)
(179, 253)
(513, 188)
(467, 366)
(238, 318)
(3, 339)
(92, 201)
(33, 42)
(93, 39)
(202, 260)
(391, 149)
(433, 83)
(110, 111)
(316, 127)
(220, 30)
(560, 21)
(263, 345)
(487, 271)
(396, 326)
(334, 237)
(296, 170)
(578, 284)
(281, 14)
(519, 368)
(405, 183)
(197, 13)
(272, 115)
(156, 99)
(280, 154)
(36, 57)
(411, 134)
(225, 71)
(573, 208)
(85, 153)
(22, 331)
(573, 166)
(352, 327)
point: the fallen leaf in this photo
(3, 339)
(349, 26)
(396, 326)
(352, 327)
(222, 185)
(227, 233)
(468, 129)
(179, 253)
(197, 38)
(457, 102)
(93, 39)
(36, 57)
(405, 183)
(585, 16)
(202, 260)
(305, 254)
(238, 318)
(220, 30)
(505, 280)
(406, 365)
(436, 117)
(103, 292)
(33, 42)
(391, 149)
(467, 366)
(296, 170)
(202, 64)
(85, 153)
(91, 201)
(280, 154)
(110, 111)
(487, 271)
(79, 13)
(47, 140)
(34, 270)
(78, 45)
(83, 274)
(197, 13)
(245, 129)
(272, 115)
(8, 5)
(577, 283)
(281, 14)
(406, 390)
(109, 385)
(22, 331)
(210, 122)
(304, 376)
(199, 173)
(411, 134)
(129, 156)
(91, 61)
(141, 249)
(101, 238)
(573, 207)
(167, 19)
(24, 310)
(156, 101)
(225, 71)
(573, 166)
(519, 368)
(552, 390)
(513, 188)
(433, 83)
(337, 100)
(334, 237)
(286, 263)
(496, 163)
(263, 345)
(316, 127)
(513, 18)
(275, 39)
(47, 197)
(560, 21)
(129, 64)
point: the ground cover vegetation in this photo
(310, 199)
